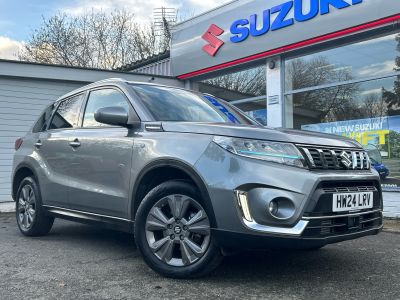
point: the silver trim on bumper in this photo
(294, 231)
(297, 230)
(249, 222)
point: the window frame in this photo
(83, 94)
(84, 106)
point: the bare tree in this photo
(327, 104)
(374, 106)
(249, 82)
(94, 39)
(302, 73)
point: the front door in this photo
(102, 159)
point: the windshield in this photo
(173, 104)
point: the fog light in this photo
(273, 207)
(281, 208)
(242, 197)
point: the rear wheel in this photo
(31, 218)
(172, 231)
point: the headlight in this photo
(284, 153)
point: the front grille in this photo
(348, 184)
(335, 159)
(350, 189)
(331, 226)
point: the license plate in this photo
(352, 201)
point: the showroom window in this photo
(245, 89)
(371, 58)
(353, 91)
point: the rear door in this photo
(102, 159)
(53, 147)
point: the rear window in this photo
(41, 123)
(173, 104)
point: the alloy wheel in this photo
(26, 207)
(178, 230)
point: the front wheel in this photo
(172, 231)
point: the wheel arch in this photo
(142, 185)
(22, 171)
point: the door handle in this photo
(75, 144)
(38, 144)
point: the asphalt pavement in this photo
(82, 262)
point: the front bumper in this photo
(236, 240)
(312, 220)
(308, 232)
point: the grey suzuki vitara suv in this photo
(190, 175)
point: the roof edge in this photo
(144, 62)
(80, 68)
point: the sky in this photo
(18, 18)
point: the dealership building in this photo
(331, 66)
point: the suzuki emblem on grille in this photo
(346, 159)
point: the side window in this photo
(102, 98)
(41, 123)
(67, 112)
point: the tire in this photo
(31, 217)
(181, 245)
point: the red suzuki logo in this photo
(214, 43)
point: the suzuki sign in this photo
(244, 30)
(257, 25)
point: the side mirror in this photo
(112, 115)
